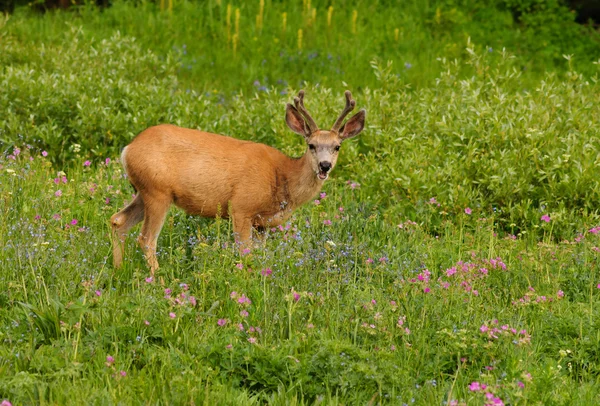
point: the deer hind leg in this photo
(121, 223)
(155, 211)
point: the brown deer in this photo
(214, 175)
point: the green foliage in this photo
(481, 140)
(362, 308)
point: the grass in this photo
(365, 309)
(451, 259)
(339, 40)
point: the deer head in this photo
(323, 145)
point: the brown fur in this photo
(213, 175)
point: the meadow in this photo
(451, 258)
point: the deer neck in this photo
(303, 182)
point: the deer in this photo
(212, 175)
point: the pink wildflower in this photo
(252, 340)
(172, 315)
(476, 386)
(545, 218)
(221, 322)
(468, 211)
(44, 153)
(87, 163)
(327, 222)
(266, 272)
(58, 193)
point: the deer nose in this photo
(325, 166)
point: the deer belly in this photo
(271, 219)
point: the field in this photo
(451, 258)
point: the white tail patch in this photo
(123, 161)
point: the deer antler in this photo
(299, 102)
(350, 103)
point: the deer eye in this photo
(312, 147)
(337, 147)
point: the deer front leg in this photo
(261, 236)
(242, 229)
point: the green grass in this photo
(437, 275)
(340, 50)
(323, 326)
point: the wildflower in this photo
(87, 163)
(123, 373)
(172, 315)
(408, 65)
(44, 153)
(241, 327)
(323, 195)
(476, 386)
(407, 331)
(107, 201)
(296, 296)
(233, 295)
(58, 193)
(98, 293)
(468, 210)
(109, 359)
(149, 279)
(317, 202)
(341, 209)
(520, 384)
(327, 222)
(229, 346)
(545, 218)
(244, 313)
(252, 340)
(239, 266)
(310, 325)
(73, 222)
(560, 293)
(221, 322)
(246, 251)
(266, 272)
(168, 293)
(369, 260)
(244, 300)
(107, 161)
(146, 322)
(483, 328)
(192, 300)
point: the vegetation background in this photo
(453, 257)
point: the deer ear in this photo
(295, 121)
(354, 126)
